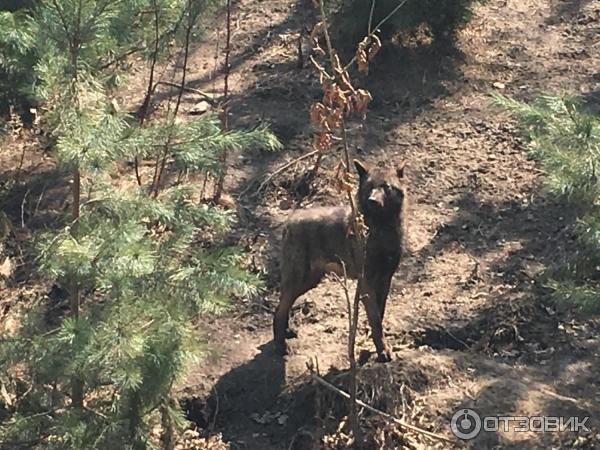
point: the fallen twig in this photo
(403, 424)
(23, 209)
(460, 341)
(93, 411)
(39, 200)
(208, 97)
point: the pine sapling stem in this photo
(225, 117)
(75, 293)
(150, 88)
(186, 52)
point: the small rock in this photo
(199, 108)
(285, 204)
(282, 419)
(226, 201)
(258, 418)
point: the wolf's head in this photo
(382, 193)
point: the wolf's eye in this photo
(390, 189)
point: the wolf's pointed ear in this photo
(361, 168)
(400, 169)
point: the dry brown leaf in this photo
(334, 96)
(333, 120)
(327, 92)
(362, 98)
(375, 47)
(367, 50)
(362, 60)
(322, 141)
(318, 115)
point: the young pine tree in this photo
(16, 59)
(136, 267)
(564, 137)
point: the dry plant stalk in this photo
(352, 308)
(341, 101)
(161, 162)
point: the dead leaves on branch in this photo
(366, 51)
(322, 141)
(340, 98)
(334, 96)
(361, 101)
(325, 118)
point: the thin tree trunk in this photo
(225, 117)
(163, 162)
(149, 89)
(75, 293)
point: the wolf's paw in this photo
(385, 356)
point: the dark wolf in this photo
(317, 241)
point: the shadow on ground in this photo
(541, 237)
(246, 399)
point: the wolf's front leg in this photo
(369, 299)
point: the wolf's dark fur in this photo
(316, 240)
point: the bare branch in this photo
(371, 16)
(374, 30)
(205, 95)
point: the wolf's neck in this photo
(385, 224)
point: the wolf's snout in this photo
(376, 198)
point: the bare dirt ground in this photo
(469, 321)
